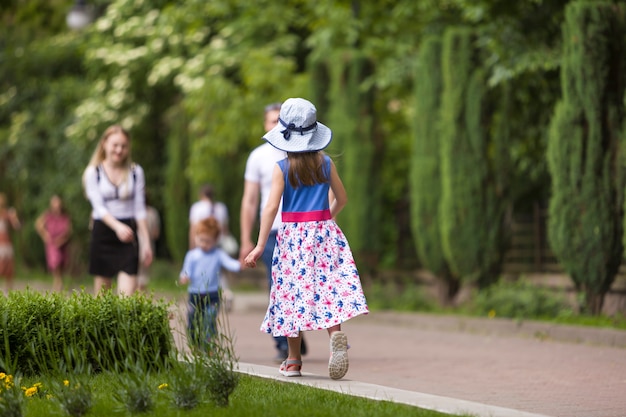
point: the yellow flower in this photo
(66, 382)
(163, 386)
(37, 384)
(31, 391)
(2, 375)
(492, 314)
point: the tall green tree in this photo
(425, 176)
(354, 148)
(586, 205)
(471, 211)
(176, 187)
(215, 65)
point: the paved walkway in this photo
(457, 365)
(485, 368)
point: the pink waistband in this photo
(306, 216)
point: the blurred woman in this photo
(115, 186)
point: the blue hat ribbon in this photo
(291, 127)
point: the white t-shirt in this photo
(259, 169)
(202, 209)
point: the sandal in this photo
(338, 363)
(286, 368)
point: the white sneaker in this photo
(338, 363)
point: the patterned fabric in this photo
(316, 284)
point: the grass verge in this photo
(253, 397)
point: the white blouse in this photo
(126, 201)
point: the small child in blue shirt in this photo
(201, 271)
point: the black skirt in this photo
(108, 255)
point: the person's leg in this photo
(292, 366)
(193, 320)
(213, 309)
(8, 270)
(333, 329)
(203, 316)
(54, 260)
(57, 280)
(101, 283)
(295, 345)
(126, 284)
(280, 342)
(142, 278)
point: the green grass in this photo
(613, 322)
(253, 397)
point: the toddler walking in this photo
(315, 282)
(201, 270)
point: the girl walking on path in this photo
(115, 186)
(316, 284)
(55, 228)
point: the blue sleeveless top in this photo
(307, 202)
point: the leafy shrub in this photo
(519, 300)
(48, 332)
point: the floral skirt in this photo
(315, 282)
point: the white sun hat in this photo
(298, 129)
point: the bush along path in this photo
(63, 341)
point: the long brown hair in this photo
(306, 168)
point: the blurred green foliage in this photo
(190, 80)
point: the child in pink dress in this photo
(315, 282)
(54, 227)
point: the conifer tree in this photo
(425, 177)
(586, 204)
(471, 212)
(349, 113)
(176, 189)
